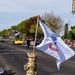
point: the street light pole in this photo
(68, 29)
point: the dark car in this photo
(1, 40)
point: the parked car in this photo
(32, 42)
(18, 40)
(1, 40)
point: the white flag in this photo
(53, 45)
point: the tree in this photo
(72, 33)
(21, 27)
(29, 22)
(69, 34)
(66, 31)
(27, 27)
(33, 30)
(54, 22)
(4, 33)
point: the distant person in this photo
(28, 43)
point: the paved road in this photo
(14, 57)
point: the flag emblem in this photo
(51, 47)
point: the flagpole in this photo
(30, 66)
(34, 47)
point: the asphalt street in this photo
(13, 57)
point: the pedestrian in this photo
(28, 43)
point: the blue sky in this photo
(13, 12)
